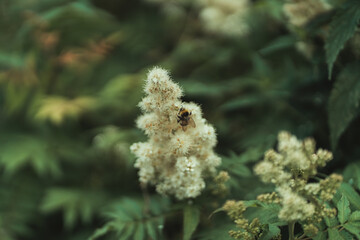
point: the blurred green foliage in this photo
(71, 75)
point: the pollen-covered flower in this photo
(178, 155)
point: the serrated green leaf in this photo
(353, 228)
(343, 207)
(353, 197)
(346, 235)
(342, 28)
(355, 216)
(191, 221)
(334, 234)
(268, 213)
(270, 232)
(331, 222)
(344, 101)
(321, 236)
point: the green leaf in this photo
(354, 228)
(151, 230)
(221, 231)
(346, 235)
(342, 28)
(139, 232)
(321, 236)
(352, 173)
(334, 234)
(331, 222)
(75, 204)
(353, 197)
(355, 216)
(34, 152)
(101, 231)
(279, 43)
(343, 207)
(130, 218)
(344, 101)
(191, 220)
(270, 232)
(268, 213)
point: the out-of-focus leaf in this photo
(196, 88)
(342, 28)
(243, 102)
(352, 173)
(19, 199)
(11, 60)
(75, 204)
(57, 109)
(20, 150)
(234, 165)
(280, 43)
(191, 221)
(131, 219)
(221, 231)
(344, 101)
(121, 94)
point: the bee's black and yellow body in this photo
(184, 118)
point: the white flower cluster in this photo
(290, 169)
(295, 207)
(225, 17)
(299, 12)
(175, 158)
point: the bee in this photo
(185, 119)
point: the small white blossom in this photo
(174, 159)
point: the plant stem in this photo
(291, 230)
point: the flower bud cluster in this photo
(220, 188)
(175, 158)
(310, 230)
(247, 230)
(290, 169)
(300, 12)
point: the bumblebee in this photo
(185, 119)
